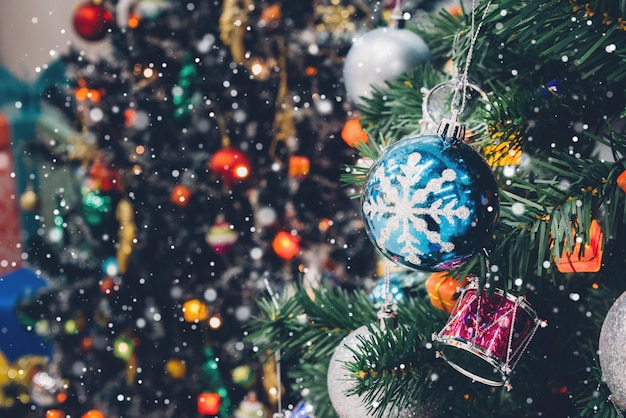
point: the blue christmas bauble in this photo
(15, 339)
(380, 56)
(377, 293)
(400, 285)
(302, 410)
(430, 204)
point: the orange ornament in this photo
(176, 368)
(621, 180)
(285, 245)
(299, 166)
(93, 413)
(86, 344)
(442, 290)
(133, 21)
(129, 117)
(62, 397)
(352, 133)
(109, 286)
(55, 413)
(455, 10)
(180, 195)
(590, 261)
(310, 71)
(83, 93)
(270, 16)
(195, 311)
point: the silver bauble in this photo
(44, 388)
(612, 354)
(380, 56)
(339, 380)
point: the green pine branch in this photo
(307, 326)
(555, 192)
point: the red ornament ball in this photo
(92, 21)
(286, 245)
(104, 177)
(93, 413)
(231, 164)
(109, 286)
(86, 344)
(180, 195)
(209, 403)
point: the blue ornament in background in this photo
(15, 340)
(377, 294)
(110, 267)
(302, 410)
(430, 203)
(400, 284)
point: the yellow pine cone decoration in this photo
(503, 151)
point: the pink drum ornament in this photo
(485, 336)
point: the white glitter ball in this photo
(612, 354)
(340, 381)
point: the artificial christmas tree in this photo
(546, 94)
(204, 161)
(167, 327)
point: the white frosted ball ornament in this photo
(612, 354)
(380, 56)
(340, 380)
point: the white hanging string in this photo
(474, 30)
(387, 289)
(386, 316)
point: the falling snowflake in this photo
(404, 210)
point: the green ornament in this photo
(243, 376)
(123, 348)
(182, 94)
(71, 327)
(212, 381)
(42, 328)
(96, 208)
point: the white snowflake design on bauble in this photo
(404, 209)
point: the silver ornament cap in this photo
(451, 129)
